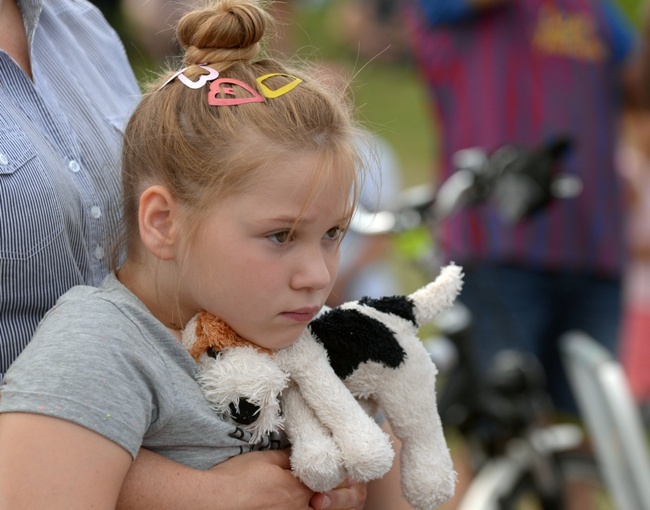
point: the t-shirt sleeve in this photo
(88, 364)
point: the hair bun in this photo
(222, 32)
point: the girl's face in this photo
(245, 267)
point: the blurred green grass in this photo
(389, 95)
(633, 9)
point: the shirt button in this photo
(99, 253)
(4, 160)
(74, 166)
(95, 211)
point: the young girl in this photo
(239, 177)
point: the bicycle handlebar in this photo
(517, 181)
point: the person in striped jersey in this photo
(522, 73)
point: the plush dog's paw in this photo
(315, 458)
(317, 463)
(427, 483)
(368, 455)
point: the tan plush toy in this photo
(352, 360)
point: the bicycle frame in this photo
(534, 454)
(612, 418)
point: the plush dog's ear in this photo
(193, 338)
(220, 335)
(207, 333)
(204, 334)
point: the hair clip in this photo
(217, 90)
(222, 92)
(200, 82)
(267, 92)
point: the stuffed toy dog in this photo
(351, 361)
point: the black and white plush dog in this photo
(352, 360)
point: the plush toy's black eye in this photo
(212, 352)
(247, 413)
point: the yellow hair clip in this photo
(271, 94)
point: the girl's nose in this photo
(314, 270)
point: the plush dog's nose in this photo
(246, 414)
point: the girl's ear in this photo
(159, 219)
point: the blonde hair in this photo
(202, 152)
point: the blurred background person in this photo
(521, 73)
(634, 165)
(373, 29)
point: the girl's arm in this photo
(50, 463)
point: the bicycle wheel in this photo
(508, 484)
(582, 488)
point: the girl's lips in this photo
(302, 314)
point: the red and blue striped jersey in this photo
(523, 73)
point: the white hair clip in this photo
(200, 82)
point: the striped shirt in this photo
(60, 138)
(522, 73)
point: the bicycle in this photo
(612, 418)
(519, 457)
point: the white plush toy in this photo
(352, 360)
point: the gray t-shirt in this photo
(101, 360)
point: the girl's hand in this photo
(349, 495)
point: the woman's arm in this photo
(50, 463)
(255, 480)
